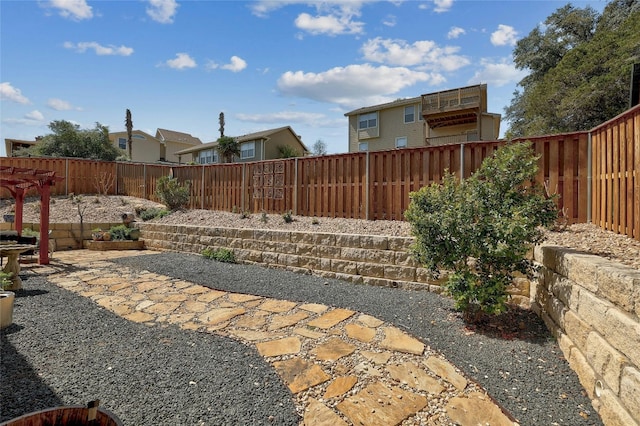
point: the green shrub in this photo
(220, 254)
(481, 228)
(120, 232)
(264, 218)
(172, 193)
(152, 213)
(5, 280)
(288, 217)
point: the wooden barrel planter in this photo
(70, 415)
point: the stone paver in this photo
(340, 386)
(321, 353)
(331, 318)
(334, 349)
(396, 340)
(378, 405)
(299, 374)
(286, 346)
(318, 414)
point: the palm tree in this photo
(228, 148)
(129, 125)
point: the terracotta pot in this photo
(6, 308)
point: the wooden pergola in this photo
(20, 180)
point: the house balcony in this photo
(454, 107)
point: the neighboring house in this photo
(151, 149)
(264, 145)
(13, 145)
(440, 118)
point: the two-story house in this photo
(439, 118)
(146, 148)
(264, 145)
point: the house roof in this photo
(173, 136)
(396, 103)
(262, 135)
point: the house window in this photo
(409, 114)
(138, 137)
(248, 150)
(122, 143)
(368, 121)
(208, 156)
(401, 142)
(363, 146)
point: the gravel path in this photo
(67, 351)
(528, 374)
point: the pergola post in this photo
(19, 195)
(45, 195)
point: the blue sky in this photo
(265, 64)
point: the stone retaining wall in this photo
(65, 236)
(362, 259)
(592, 306)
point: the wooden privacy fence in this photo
(595, 173)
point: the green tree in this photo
(221, 122)
(129, 124)
(228, 148)
(319, 147)
(287, 151)
(579, 67)
(480, 229)
(68, 140)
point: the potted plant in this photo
(97, 234)
(6, 300)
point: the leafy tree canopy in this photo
(228, 148)
(580, 69)
(68, 140)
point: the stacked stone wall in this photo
(592, 306)
(362, 259)
(64, 236)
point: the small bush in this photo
(245, 214)
(315, 221)
(172, 193)
(288, 217)
(120, 232)
(264, 218)
(481, 228)
(220, 254)
(153, 213)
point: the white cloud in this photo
(10, 93)
(442, 5)
(35, 115)
(60, 105)
(354, 85)
(236, 64)
(329, 24)
(424, 53)
(182, 61)
(73, 9)
(310, 118)
(504, 35)
(455, 32)
(390, 21)
(162, 11)
(99, 49)
(498, 73)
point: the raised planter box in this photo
(115, 245)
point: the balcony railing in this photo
(452, 100)
(451, 139)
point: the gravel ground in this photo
(65, 350)
(524, 370)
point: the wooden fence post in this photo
(66, 177)
(243, 188)
(589, 177)
(366, 188)
(295, 186)
(144, 181)
(202, 190)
